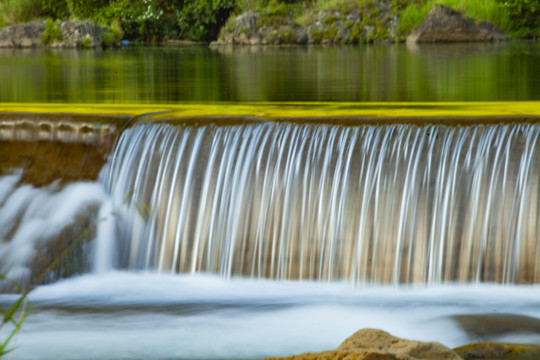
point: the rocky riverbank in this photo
(60, 34)
(442, 24)
(371, 344)
(278, 26)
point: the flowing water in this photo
(245, 239)
(364, 204)
(398, 227)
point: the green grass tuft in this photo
(52, 33)
(18, 11)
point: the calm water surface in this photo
(470, 72)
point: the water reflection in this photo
(467, 72)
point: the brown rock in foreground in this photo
(499, 351)
(443, 24)
(371, 344)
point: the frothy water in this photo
(395, 227)
(34, 220)
(130, 315)
(364, 204)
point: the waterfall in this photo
(41, 226)
(394, 204)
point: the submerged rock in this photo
(371, 344)
(443, 24)
(488, 326)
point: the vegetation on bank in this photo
(201, 20)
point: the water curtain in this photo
(366, 204)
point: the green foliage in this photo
(277, 14)
(107, 39)
(356, 33)
(202, 19)
(86, 43)
(9, 317)
(85, 9)
(55, 9)
(524, 17)
(415, 11)
(154, 20)
(331, 32)
(410, 17)
(340, 5)
(52, 33)
(286, 35)
(18, 11)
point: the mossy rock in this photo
(499, 351)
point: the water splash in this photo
(38, 224)
(365, 204)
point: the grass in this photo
(9, 316)
(18, 11)
(490, 10)
(52, 33)
(410, 12)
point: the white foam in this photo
(151, 316)
(30, 216)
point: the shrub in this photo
(55, 9)
(202, 19)
(86, 43)
(52, 33)
(524, 17)
(18, 11)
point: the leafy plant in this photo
(9, 316)
(524, 16)
(52, 32)
(202, 19)
(18, 11)
(86, 42)
(107, 39)
(56, 9)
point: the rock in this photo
(371, 344)
(246, 22)
(487, 326)
(443, 24)
(502, 351)
(301, 36)
(24, 35)
(73, 34)
(322, 27)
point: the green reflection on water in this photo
(470, 72)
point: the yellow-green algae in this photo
(43, 162)
(425, 111)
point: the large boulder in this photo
(317, 27)
(371, 344)
(443, 24)
(24, 35)
(73, 34)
